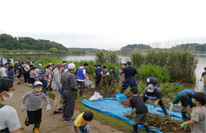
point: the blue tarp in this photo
(114, 108)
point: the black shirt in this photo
(139, 105)
(129, 71)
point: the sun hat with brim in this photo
(37, 83)
(151, 88)
(71, 66)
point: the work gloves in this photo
(48, 108)
(183, 126)
(22, 107)
(155, 104)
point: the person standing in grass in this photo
(129, 80)
(97, 75)
(198, 121)
(81, 122)
(81, 76)
(141, 111)
(34, 107)
(204, 77)
(105, 76)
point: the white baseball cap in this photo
(40, 64)
(151, 88)
(71, 66)
(37, 83)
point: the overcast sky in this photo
(106, 24)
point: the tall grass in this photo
(181, 64)
(145, 71)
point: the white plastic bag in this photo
(87, 83)
(95, 96)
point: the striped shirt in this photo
(34, 100)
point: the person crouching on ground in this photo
(34, 107)
(141, 111)
(154, 94)
(81, 122)
(198, 120)
(185, 97)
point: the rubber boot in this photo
(164, 109)
(36, 130)
(147, 128)
(184, 116)
(27, 121)
(135, 129)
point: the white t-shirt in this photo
(9, 118)
(26, 67)
(3, 72)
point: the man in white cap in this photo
(154, 94)
(69, 86)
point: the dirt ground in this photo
(51, 123)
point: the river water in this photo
(198, 86)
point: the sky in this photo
(106, 24)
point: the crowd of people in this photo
(65, 80)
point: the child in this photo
(81, 122)
(11, 73)
(2, 71)
(105, 76)
(33, 75)
(34, 107)
(198, 116)
(141, 110)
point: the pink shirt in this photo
(33, 74)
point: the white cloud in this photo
(109, 23)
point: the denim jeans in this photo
(44, 87)
(83, 129)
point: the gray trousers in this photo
(68, 104)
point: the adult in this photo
(154, 94)
(129, 72)
(47, 78)
(26, 69)
(81, 76)
(185, 97)
(69, 86)
(56, 86)
(204, 76)
(3, 71)
(9, 121)
(31, 61)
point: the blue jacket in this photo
(80, 74)
(151, 96)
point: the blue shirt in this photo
(129, 71)
(10, 74)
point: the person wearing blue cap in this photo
(34, 107)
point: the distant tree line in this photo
(9, 42)
(191, 47)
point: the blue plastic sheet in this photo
(113, 107)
